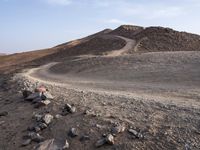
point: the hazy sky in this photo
(35, 24)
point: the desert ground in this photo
(157, 94)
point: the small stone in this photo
(58, 116)
(100, 142)
(37, 117)
(33, 96)
(133, 132)
(26, 142)
(35, 137)
(47, 118)
(73, 109)
(118, 129)
(110, 139)
(73, 132)
(42, 125)
(3, 113)
(98, 126)
(138, 135)
(67, 107)
(43, 97)
(26, 93)
(87, 112)
(48, 95)
(46, 102)
(37, 129)
(43, 103)
(66, 146)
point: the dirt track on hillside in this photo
(169, 77)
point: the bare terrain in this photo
(141, 78)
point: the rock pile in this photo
(40, 97)
(42, 122)
(67, 109)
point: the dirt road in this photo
(170, 77)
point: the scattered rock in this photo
(136, 134)
(66, 146)
(35, 137)
(34, 96)
(87, 112)
(37, 117)
(44, 102)
(68, 109)
(3, 113)
(48, 95)
(43, 97)
(37, 129)
(110, 139)
(26, 93)
(26, 142)
(133, 132)
(42, 125)
(58, 116)
(73, 109)
(118, 129)
(48, 145)
(47, 118)
(99, 126)
(73, 132)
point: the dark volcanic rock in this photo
(73, 132)
(26, 93)
(33, 96)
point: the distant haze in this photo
(29, 25)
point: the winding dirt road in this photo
(166, 77)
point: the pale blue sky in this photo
(36, 24)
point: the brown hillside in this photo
(128, 31)
(153, 39)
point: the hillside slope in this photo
(153, 39)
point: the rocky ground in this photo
(83, 119)
(123, 99)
